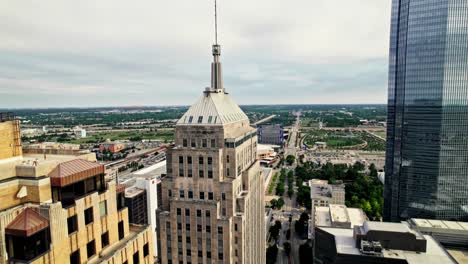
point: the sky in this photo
(87, 53)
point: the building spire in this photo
(216, 24)
(216, 71)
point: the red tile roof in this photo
(27, 223)
(73, 171)
(120, 188)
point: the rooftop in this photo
(327, 216)
(36, 165)
(322, 189)
(434, 254)
(154, 171)
(73, 171)
(27, 223)
(133, 192)
(441, 225)
(213, 108)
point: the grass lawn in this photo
(382, 134)
(133, 135)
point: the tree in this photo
(273, 203)
(303, 196)
(287, 248)
(305, 253)
(302, 224)
(275, 230)
(373, 170)
(290, 159)
(280, 203)
(277, 204)
(280, 189)
(271, 254)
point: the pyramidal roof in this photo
(213, 108)
(73, 171)
(27, 223)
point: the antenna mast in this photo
(216, 24)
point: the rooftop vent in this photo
(373, 248)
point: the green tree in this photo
(305, 253)
(290, 159)
(280, 203)
(271, 254)
(287, 248)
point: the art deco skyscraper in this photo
(212, 207)
(426, 171)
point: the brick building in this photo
(59, 209)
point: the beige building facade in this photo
(212, 208)
(59, 209)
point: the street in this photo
(290, 208)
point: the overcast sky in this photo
(58, 53)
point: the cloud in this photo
(116, 52)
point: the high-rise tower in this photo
(212, 207)
(426, 171)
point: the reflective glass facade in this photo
(427, 135)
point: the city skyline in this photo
(114, 56)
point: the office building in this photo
(270, 134)
(377, 242)
(79, 132)
(339, 216)
(212, 196)
(136, 202)
(58, 209)
(426, 171)
(143, 196)
(323, 194)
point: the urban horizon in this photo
(243, 176)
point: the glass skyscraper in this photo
(426, 171)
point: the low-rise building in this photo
(265, 151)
(79, 132)
(337, 216)
(377, 242)
(322, 193)
(112, 147)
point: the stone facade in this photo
(105, 237)
(10, 139)
(212, 208)
(65, 242)
(208, 213)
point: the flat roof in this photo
(155, 168)
(357, 216)
(435, 254)
(338, 213)
(132, 192)
(37, 164)
(439, 224)
(461, 256)
(322, 216)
